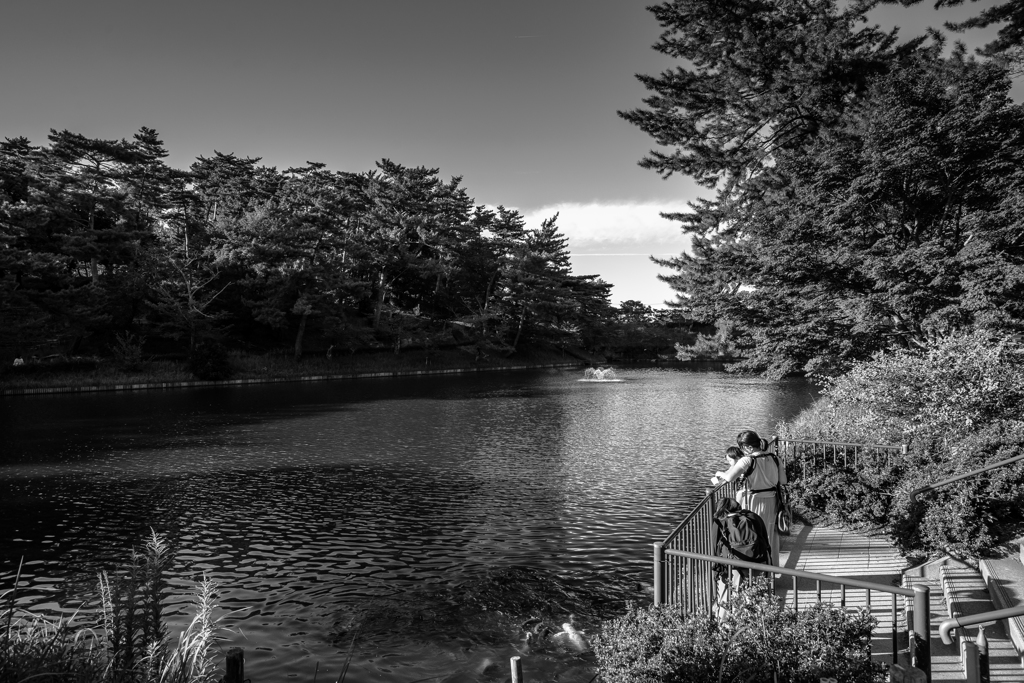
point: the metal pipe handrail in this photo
(799, 573)
(776, 442)
(976, 619)
(973, 473)
(920, 647)
(878, 446)
(696, 510)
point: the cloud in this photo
(615, 228)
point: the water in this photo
(422, 524)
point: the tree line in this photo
(865, 191)
(101, 238)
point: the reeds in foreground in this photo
(36, 647)
(192, 661)
(127, 642)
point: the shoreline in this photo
(190, 384)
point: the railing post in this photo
(983, 671)
(659, 572)
(235, 665)
(971, 663)
(517, 669)
(922, 631)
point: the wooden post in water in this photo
(235, 665)
(517, 670)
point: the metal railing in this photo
(967, 475)
(695, 534)
(684, 561)
(976, 652)
(699, 565)
(823, 453)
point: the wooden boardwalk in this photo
(872, 558)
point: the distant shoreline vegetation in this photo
(87, 375)
(110, 253)
(91, 374)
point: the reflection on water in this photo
(418, 523)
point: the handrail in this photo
(918, 632)
(975, 619)
(878, 446)
(798, 573)
(981, 470)
(710, 495)
(696, 509)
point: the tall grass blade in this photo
(348, 660)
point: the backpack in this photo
(742, 536)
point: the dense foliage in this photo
(100, 239)
(755, 641)
(868, 193)
(639, 332)
(958, 405)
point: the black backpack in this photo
(742, 536)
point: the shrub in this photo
(658, 645)
(841, 497)
(722, 344)
(754, 641)
(957, 404)
(951, 387)
(209, 361)
(127, 351)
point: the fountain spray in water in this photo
(599, 374)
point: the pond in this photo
(418, 528)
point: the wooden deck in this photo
(872, 558)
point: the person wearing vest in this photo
(761, 473)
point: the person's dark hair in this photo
(726, 506)
(750, 438)
(733, 453)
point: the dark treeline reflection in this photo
(101, 238)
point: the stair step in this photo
(1005, 580)
(965, 593)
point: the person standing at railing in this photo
(762, 474)
(741, 535)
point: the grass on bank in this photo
(121, 640)
(109, 372)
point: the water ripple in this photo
(422, 518)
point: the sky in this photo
(519, 98)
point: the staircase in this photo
(959, 590)
(1004, 578)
